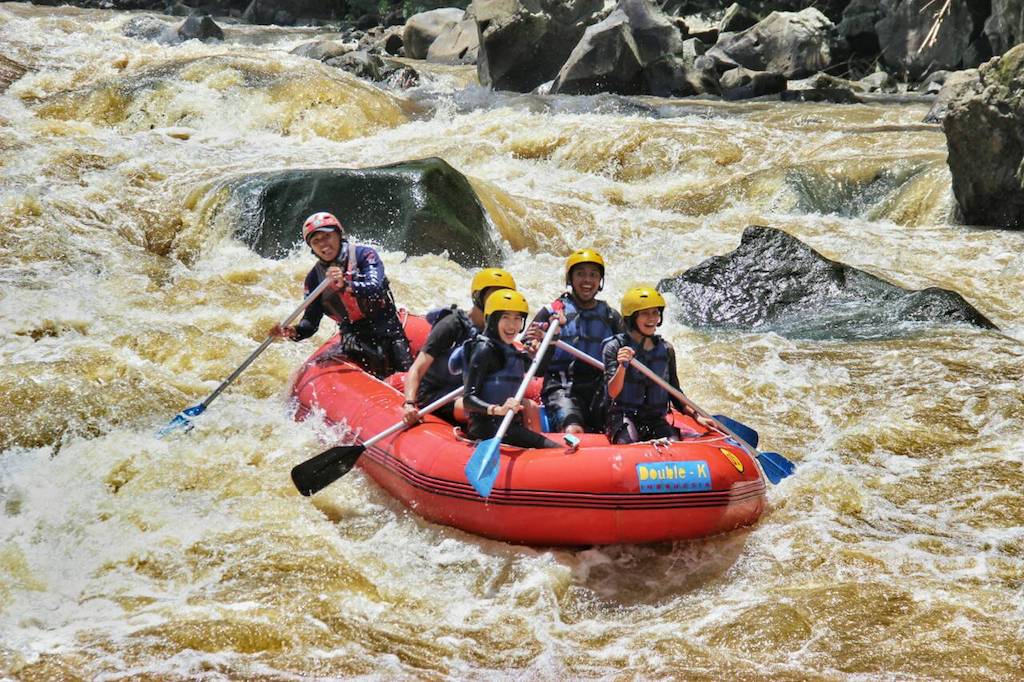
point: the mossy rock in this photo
(419, 207)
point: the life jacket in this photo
(502, 384)
(439, 374)
(344, 306)
(586, 329)
(640, 395)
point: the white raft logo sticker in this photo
(666, 477)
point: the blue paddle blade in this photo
(780, 463)
(775, 466)
(181, 420)
(482, 467)
(742, 430)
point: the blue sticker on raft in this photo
(666, 477)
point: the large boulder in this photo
(1004, 27)
(795, 44)
(422, 206)
(635, 50)
(857, 27)
(459, 44)
(422, 29)
(984, 129)
(774, 282)
(606, 59)
(524, 43)
(909, 45)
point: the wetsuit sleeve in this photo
(368, 277)
(609, 354)
(484, 362)
(442, 337)
(310, 321)
(673, 379)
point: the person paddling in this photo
(573, 390)
(360, 300)
(495, 369)
(429, 377)
(638, 406)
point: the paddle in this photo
(316, 473)
(775, 466)
(482, 467)
(745, 432)
(183, 418)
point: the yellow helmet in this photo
(641, 298)
(489, 277)
(582, 256)
(506, 300)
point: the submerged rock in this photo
(774, 282)
(422, 206)
(10, 71)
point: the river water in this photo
(895, 552)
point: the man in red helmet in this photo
(360, 300)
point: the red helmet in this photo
(320, 222)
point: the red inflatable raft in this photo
(600, 494)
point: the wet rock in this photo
(1004, 27)
(955, 85)
(984, 128)
(399, 76)
(879, 81)
(458, 44)
(857, 27)
(367, 21)
(737, 18)
(905, 25)
(795, 44)
(635, 50)
(740, 83)
(359, 63)
(606, 59)
(423, 29)
(290, 12)
(656, 36)
(822, 87)
(200, 28)
(394, 44)
(321, 50)
(673, 76)
(933, 82)
(419, 207)
(524, 43)
(774, 282)
(147, 27)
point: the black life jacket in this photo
(438, 375)
(639, 395)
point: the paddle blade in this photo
(482, 467)
(776, 467)
(740, 429)
(182, 420)
(316, 473)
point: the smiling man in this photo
(360, 300)
(572, 389)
